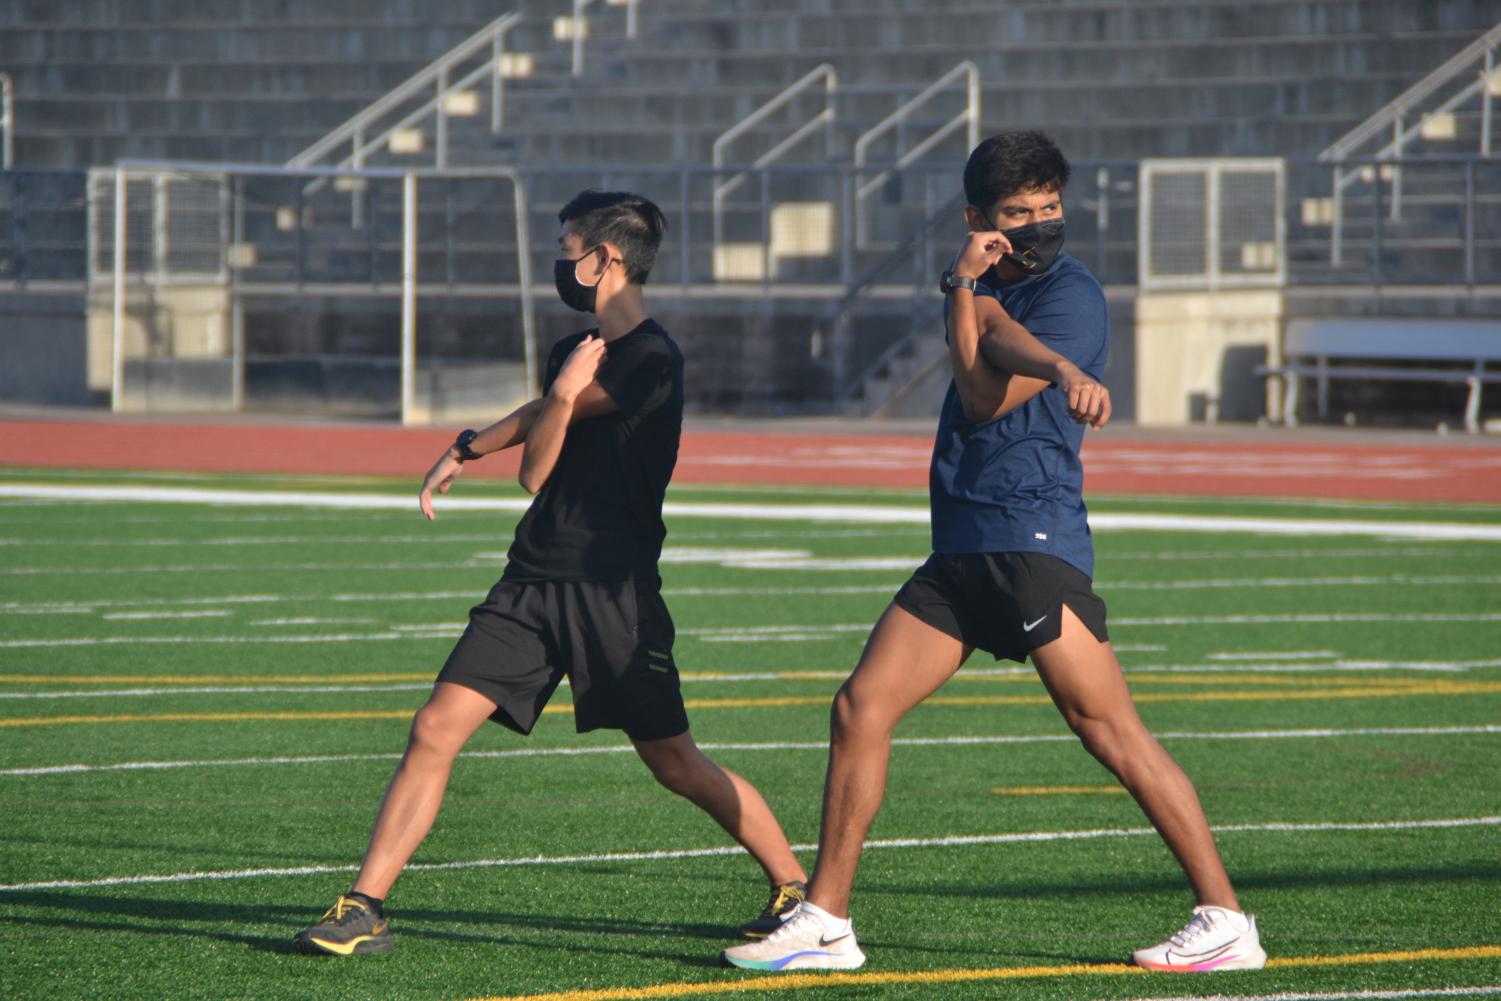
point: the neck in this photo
(624, 312)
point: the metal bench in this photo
(1313, 349)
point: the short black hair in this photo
(629, 221)
(1009, 162)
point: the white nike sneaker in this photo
(804, 942)
(1214, 939)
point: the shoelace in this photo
(780, 897)
(795, 926)
(336, 912)
(1198, 925)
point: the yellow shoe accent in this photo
(343, 948)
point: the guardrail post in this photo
(1470, 223)
(408, 296)
(117, 330)
(7, 122)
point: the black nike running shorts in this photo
(613, 640)
(1007, 604)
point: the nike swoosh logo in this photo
(826, 942)
(1027, 627)
(1201, 956)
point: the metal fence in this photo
(182, 259)
(333, 265)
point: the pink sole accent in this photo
(1195, 968)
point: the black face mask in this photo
(574, 293)
(1036, 246)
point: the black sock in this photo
(374, 903)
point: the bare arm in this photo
(1010, 347)
(981, 388)
(508, 432)
(544, 441)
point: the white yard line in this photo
(1282, 655)
(951, 841)
(749, 634)
(842, 513)
(774, 746)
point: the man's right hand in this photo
(980, 253)
(439, 478)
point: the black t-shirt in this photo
(599, 515)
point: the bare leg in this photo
(734, 803)
(905, 661)
(1085, 681)
(439, 730)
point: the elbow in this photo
(530, 482)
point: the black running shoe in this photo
(783, 899)
(346, 928)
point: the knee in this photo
(853, 717)
(674, 772)
(1104, 738)
(432, 734)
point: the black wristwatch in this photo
(463, 441)
(951, 281)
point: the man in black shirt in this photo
(580, 594)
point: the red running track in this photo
(1115, 462)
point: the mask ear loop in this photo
(585, 256)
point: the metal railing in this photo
(1449, 236)
(824, 119)
(363, 134)
(897, 120)
(1405, 120)
(576, 29)
(7, 122)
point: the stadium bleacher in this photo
(229, 81)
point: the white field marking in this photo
(555, 752)
(1138, 647)
(1455, 667)
(1383, 553)
(1282, 655)
(471, 595)
(1434, 992)
(844, 513)
(908, 563)
(309, 621)
(952, 841)
(1316, 617)
(240, 568)
(87, 606)
(202, 613)
(79, 610)
(254, 540)
(246, 690)
(750, 634)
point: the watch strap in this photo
(463, 442)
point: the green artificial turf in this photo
(306, 610)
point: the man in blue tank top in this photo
(1011, 567)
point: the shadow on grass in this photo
(208, 920)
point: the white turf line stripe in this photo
(548, 752)
(843, 513)
(951, 841)
(1434, 992)
(751, 634)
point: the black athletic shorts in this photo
(1007, 604)
(613, 641)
